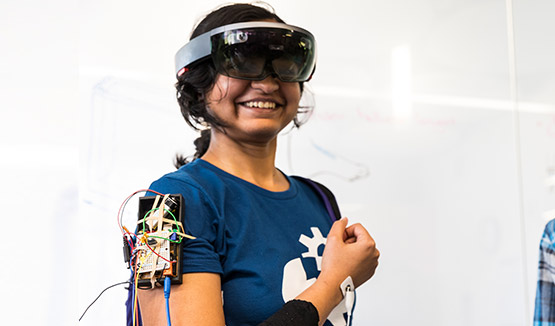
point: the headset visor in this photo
(255, 51)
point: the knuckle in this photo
(333, 237)
(370, 244)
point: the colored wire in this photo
(129, 238)
(149, 247)
(170, 240)
(111, 286)
(165, 210)
(135, 312)
(122, 207)
(168, 312)
(179, 225)
(350, 298)
(167, 288)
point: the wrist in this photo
(325, 294)
(332, 287)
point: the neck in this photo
(252, 162)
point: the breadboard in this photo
(153, 262)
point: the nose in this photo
(267, 85)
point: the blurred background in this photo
(434, 126)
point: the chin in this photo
(263, 134)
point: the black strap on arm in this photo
(326, 195)
(294, 313)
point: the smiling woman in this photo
(240, 80)
(253, 113)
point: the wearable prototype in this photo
(253, 51)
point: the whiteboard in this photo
(415, 130)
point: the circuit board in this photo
(159, 236)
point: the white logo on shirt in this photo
(295, 278)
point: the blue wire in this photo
(167, 286)
(353, 309)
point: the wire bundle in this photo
(137, 242)
(138, 250)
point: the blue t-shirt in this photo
(267, 246)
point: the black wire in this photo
(111, 286)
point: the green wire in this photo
(173, 230)
(155, 209)
(170, 240)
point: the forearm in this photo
(310, 308)
(325, 295)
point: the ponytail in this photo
(201, 146)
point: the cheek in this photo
(294, 93)
(225, 89)
(218, 92)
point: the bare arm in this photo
(197, 301)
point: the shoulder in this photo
(200, 185)
(324, 194)
(201, 191)
(549, 232)
(312, 184)
(547, 242)
(550, 227)
(192, 177)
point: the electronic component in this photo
(159, 234)
(126, 251)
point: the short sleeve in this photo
(202, 221)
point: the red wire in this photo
(127, 199)
(129, 239)
(158, 254)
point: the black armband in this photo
(294, 313)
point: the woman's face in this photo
(253, 111)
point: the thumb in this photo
(338, 228)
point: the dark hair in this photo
(200, 78)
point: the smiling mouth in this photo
(261, 104)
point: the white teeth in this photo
(260, 104)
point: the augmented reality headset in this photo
(253, 51)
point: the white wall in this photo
(39, 164)
(443, 146)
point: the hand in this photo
(350, 251)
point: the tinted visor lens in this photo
(257, 53)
